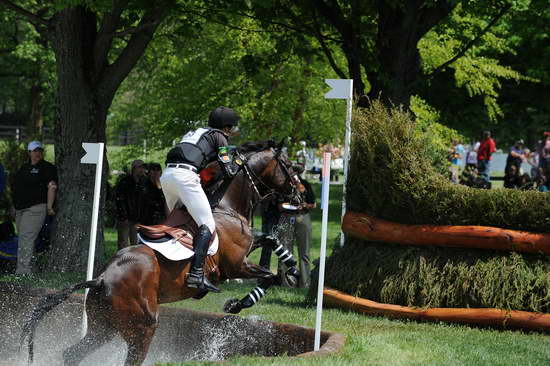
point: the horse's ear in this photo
(281, 144)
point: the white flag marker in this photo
(324, 228)
(343, 89)
(94, 155)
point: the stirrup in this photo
(200, 281)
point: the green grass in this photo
(379, 341)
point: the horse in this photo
(124, 298)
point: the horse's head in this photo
(270, 171)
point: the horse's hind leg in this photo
(73, 355)
(95, 338)
(138, 345)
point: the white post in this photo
(343, 89)
(94, 155)
(324, 228)
(145, 149)
(347, 143)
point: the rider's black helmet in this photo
(222, 117)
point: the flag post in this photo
(94, 155)
(324, 228)
(343, 89)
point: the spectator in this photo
(525, 182)
(302, 155)
(33, 193)
(153, 210)
(544, 151)
(544, 180)
(2, 180)
(270, 218)
(128, 193)
(299, 231)
(471, 156)
(511, 176)
(486, 149)
(532, 158)
(457, 154)
(517, 155)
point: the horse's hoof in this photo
(292, 277)
(232, 306)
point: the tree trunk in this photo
(36, 117)
(80, 119)
(400, 28)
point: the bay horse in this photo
(124, 298)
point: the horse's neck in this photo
(240, 196)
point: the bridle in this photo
(253, 178)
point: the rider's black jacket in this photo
(198, 148)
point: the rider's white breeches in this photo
(183, 187)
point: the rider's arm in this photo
(224, 156)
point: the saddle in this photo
(179, 225)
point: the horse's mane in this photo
(256, 146)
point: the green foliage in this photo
(12, 156)
(392, 177)
(437, 137)
(440, 277)
(276, 87)
(480, 70)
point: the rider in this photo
(181, 183)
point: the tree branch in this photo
(470, 44)
(326, 50)
(33, 18)
(134, 30)
(104, 38)
(117, 72)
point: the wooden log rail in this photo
(480, 316)
(481, 237)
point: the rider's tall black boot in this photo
(196, 277)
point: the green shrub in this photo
(440, 277)
(397, 173)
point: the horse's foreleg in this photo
(267, 279)
(234, 306)
(292, 274)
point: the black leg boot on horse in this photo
(196, 278)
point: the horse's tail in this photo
(46, 304)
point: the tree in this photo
(272, 80)
(25, 67)
(95, 46)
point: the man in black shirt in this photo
(33, 193)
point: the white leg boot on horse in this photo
(196, 277)
(268, 279)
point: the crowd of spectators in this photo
(476, 172)
(137, 196)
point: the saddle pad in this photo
(173, 250)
